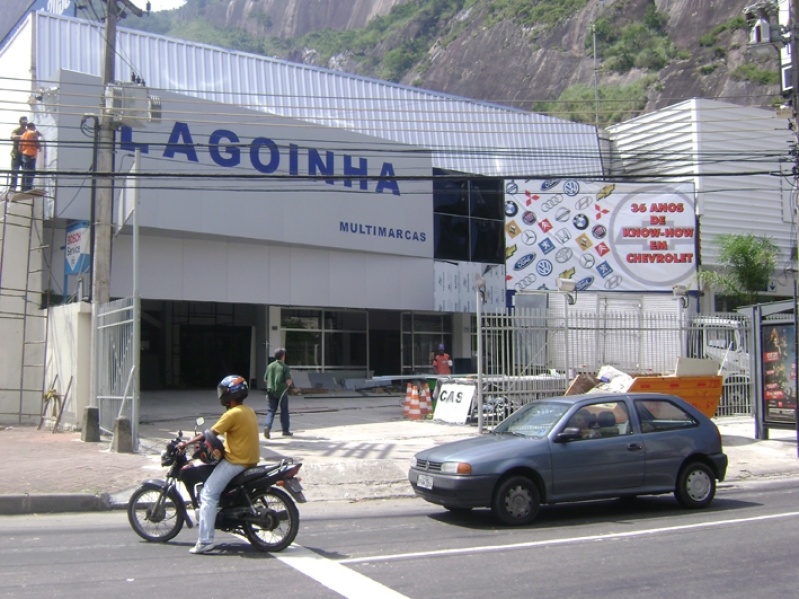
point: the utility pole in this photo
(102, 210)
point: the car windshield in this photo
(535, 419)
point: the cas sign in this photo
(454, 402)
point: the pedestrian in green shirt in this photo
(278, 381)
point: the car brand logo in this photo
(563, 236)
(528, 237)
(524, 262)
(549, 184)
(551, 203)
(600, 212)
(513, 228)
(562, 215)
(605, 191)
(510, 250)
(545, 225)
(546, 245)
(604, 269)
(613, 282)
(529, 217)
(525, 282)
(599, 231)
(511, 208)
(511, 187)
(585, 283)
(580, 222)
(587, 260)
(563, 255)
(584, 202)
(544, 268)
(571, 187)
(602, 249)
(584, 241)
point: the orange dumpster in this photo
(702, 392)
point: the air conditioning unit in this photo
(131, 104)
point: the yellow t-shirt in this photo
(240, 427)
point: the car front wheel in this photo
(696, 486)
(516, 501)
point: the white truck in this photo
(725, 340)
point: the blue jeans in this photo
(223, 473)
(28, 167)
(272, 407)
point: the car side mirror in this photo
(570, 433)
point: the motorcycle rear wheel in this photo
(279, 524)
(155, 517)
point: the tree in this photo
(747, 265)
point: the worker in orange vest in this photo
(29, 145)
(442, 362)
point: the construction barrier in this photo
(406, 409)
(415, 412)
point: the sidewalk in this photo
(354, 461)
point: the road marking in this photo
(334, 575)
(566, 541)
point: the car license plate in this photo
(425, 481)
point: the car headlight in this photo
(413, 462)
(456, 468)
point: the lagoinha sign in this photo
(226, 148)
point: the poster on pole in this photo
(779, 373)
(78, 248)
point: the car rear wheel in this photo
(516, 501)
(696, 486)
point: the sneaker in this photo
(288, 434)
(266, 433)
(202, 548)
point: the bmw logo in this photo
(511, 208)
(580, 222)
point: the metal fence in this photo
(530, 353)
(115, 363)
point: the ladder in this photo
(23, 318)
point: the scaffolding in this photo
(23, 306)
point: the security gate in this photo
(535, 351)
(116, 375)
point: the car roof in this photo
(611, 396)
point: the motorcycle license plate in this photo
(425, 481)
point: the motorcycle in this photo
(260, 503)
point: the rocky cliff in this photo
(471, 48)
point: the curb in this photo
(53, 503)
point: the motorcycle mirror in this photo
(200, 421)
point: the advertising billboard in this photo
(779, 373)
(604, 236)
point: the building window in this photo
(325, 340)
(421, 334)
(468, 219)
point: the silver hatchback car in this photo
(577, 448)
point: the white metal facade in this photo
(736, 157)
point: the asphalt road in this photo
(744, 546)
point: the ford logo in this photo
(584, 284)
(524, 262)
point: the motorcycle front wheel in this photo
(276, 523)
(154, 515)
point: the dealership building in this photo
(347, 219)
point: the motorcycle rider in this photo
(239, 424)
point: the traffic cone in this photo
(406, 409)
(425, 406)
(415, 412)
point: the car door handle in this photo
(634, 447)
